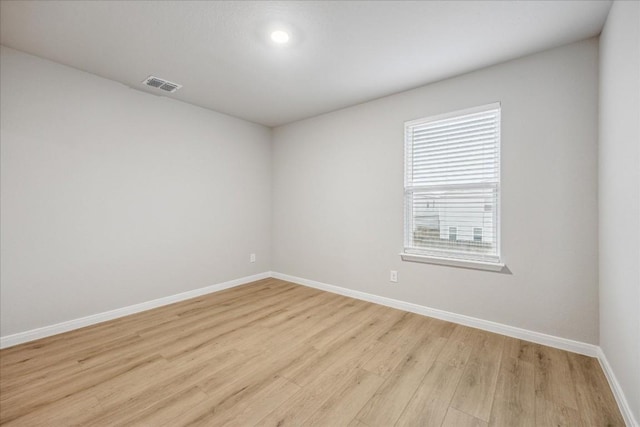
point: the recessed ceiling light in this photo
(280, 36)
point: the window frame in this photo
(455, 260)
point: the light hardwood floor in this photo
(274, 353)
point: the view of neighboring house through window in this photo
(452, 185)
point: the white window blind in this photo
(452, 183)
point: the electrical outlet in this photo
(393, 276)
(252, 258)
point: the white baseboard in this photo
(623, 404)
(34, 334)
(499, 328)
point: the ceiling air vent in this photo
(161, 84)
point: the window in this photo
(452, 188)
(477, 234)
(453, 233)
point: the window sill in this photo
(477, 265)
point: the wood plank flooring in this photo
(273, 353)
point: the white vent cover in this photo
(161, 84)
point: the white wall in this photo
(338, 196)
(619, 196)
(111, 196)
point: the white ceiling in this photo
(342, 53)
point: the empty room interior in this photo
(320, 213)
